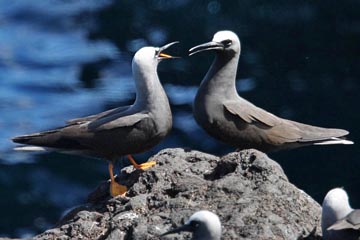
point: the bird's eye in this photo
(157, 52)
(226, 43)
(194, 224)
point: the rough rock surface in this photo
(250, 193)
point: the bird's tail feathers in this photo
(334, 140)
(29, 148)
(25, 139)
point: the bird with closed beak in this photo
(226, 116)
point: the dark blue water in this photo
(65, 59)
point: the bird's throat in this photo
(221, 77)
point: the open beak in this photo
(205, 47)
(183, 228)
(162, 55)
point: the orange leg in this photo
(116, 189)
(141, 166)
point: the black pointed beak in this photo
(205, 47)
(183, 228)
(162, 55)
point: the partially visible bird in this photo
(121, 131)
(339, 221)
(203, 224)
(230, 118)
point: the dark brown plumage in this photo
(226, 116)
(121, 131)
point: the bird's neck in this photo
(221, 77)
(148, 87)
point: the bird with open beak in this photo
(121, 131)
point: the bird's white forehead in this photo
(145, 52)
(337, 195)
(202, 216)
(225, 35)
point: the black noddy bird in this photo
(230, 118)
(203, 224)
(338, 220)
(121, 131)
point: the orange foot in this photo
(142, 166)
(116, 189)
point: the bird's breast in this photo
(207, 108)
(162, 119)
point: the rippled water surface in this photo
(65, 59)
